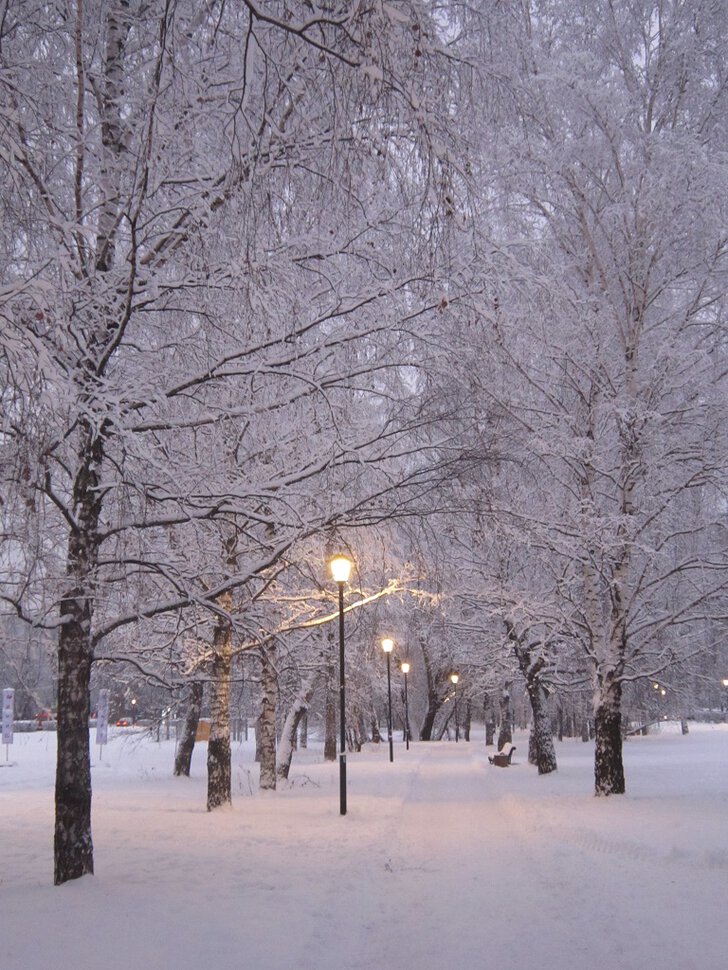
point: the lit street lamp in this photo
(724, 682)
(340, 570)
(455, 678)
(405, 671)
(388, 647)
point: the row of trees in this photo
(445, 283)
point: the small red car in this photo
(42, 716)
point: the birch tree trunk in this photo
(608, 765)
(505, 734)
(186, 746)
(295, 716)
(267, 718)
(331, 696)
(330, 715)
(489, 718)
(434, 699)
(303, 730)
(467, 721)
(219, 774)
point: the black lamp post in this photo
(405, 671)
(455, 678)
(388, 647)
(340, 570)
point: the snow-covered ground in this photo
(442, 862)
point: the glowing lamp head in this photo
(405, 668)
(454, 678)
(725, 681)
(387, 645)
(340, 569)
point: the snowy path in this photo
(471, 867)
(442, 862)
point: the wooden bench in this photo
(503, 758)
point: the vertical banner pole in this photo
(7, 721)
(102, 720)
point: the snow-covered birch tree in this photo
(168, 326)
(612, 150)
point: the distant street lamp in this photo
(340, 570)
(455, 678)
(724, 682)
(405, 671)
(661, 694)
(388, 647)
(133, 710)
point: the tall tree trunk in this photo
(434, 699)
(330, 702)
(532, 661)
(489, 719)
(445, 726)
(354, 730)
(296, 716)
(73, 845)
(428, 722)
(505, 734)
(560, 722)
(186, 746)
(267, 719)
(406, 728)
(219, 770)
(608, 765)
(541, 751)
(303, 731)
